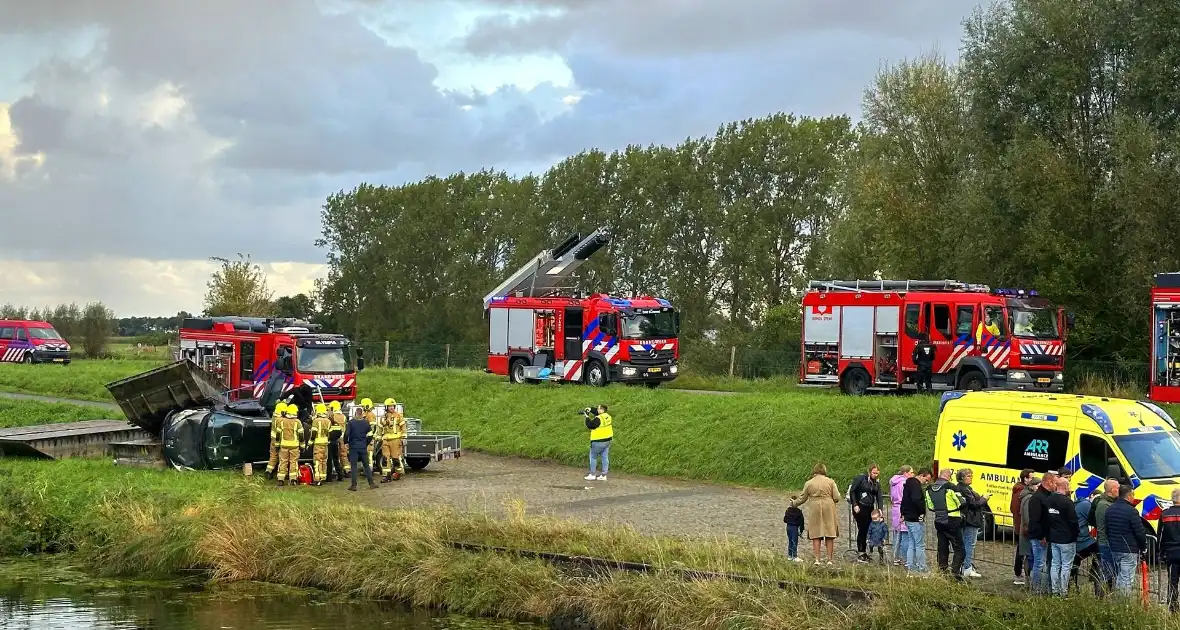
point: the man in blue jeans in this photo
(913, 511)
(1127, 538)
(602, 431)
(1097, 520)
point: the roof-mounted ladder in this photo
(898, 285)
(545, 272)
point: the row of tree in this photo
(89, 327)
(1047, 157)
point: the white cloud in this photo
(134, 286)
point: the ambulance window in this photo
(247, 360)
(1041, 449)
(963, 320)
(912, 316)
(1097, 456)
(942, 319)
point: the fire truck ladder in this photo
(545, 272)
(898, 285)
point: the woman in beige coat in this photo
(822, 521)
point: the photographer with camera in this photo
(601, 431)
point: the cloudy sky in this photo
(139, 137)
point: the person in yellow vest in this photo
(990, 325)
(394, 431)
(275, 418)
(602, 430)
(337, 447)
(290, 436)
(320, 426)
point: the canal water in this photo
(49, 595)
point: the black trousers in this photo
(1018, 563)
(335, 466)
(923, 378)
(1173, 579)
(950, 537)
(359, 455)
(863, 518)
(1075, 572)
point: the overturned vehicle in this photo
(198, 426)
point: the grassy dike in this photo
(161, 524)
(20, 413)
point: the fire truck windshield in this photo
(324, 361)
(1034, 323)
(655, 325)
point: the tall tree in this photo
(239, 287)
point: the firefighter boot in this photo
(281, 483)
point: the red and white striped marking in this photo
(13, 355)
(957, 355)
(1053, 349)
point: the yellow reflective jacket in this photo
(394, 428)
(339, 420)
(605, 429)
(320, 426)
(290, 433)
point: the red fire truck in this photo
(537, 333)
(860, 335)
(1164, 385)
(244, 352)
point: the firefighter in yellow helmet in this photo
(290, 436)
(371, 417)
(337, 449)
(320, 426)
(275, 418)
(393, 432)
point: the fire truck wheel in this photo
(855, 382)
(596, 374)
(516, 372)
(973, 381)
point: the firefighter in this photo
(923, 357)
(275, 418)
(371, 417)
(290, 435)
(337, 449)
(394, 427)
(320, 428)
(990, 325)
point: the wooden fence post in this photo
(732, 358)
(387, 353)
(448, 355)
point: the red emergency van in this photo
(25, 341)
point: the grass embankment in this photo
(143, 523)
(21, 413)
(81, 379)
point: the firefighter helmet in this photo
(389, 402)
(335, 405)
(280, 408)
(321, 409)
(367, 403)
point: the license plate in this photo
(1043, 380)
(59, 360)
(655, 369)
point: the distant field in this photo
(23, 413)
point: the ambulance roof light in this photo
(949, 396)
(1095, 413)
(1157, 410)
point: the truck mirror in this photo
(1069, 320)
(676, 322)
(360, 363)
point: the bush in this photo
(96, 328)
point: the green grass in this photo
(81, 379)
(161, 524)
(21, 413)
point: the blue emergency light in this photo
(1016, 292)
(1096, 413)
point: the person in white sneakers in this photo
(974, 507)
(602, 430)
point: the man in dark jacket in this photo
(1169, 525)
(1038, 530)
(1014, 509)
(946, 504)
(913, 510)
(865, 496)
(358, 434)
(1127, 538)
(1062, 533)
(923, 358)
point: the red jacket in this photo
(1014, 507)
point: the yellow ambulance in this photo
(999, 433)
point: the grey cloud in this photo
(669, 27)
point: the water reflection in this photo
(55, 602)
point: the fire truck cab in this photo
(538, 334)
(1164, 384)
(246, 352)
(861, 334)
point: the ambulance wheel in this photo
(596, 374)
(417, 463)
(973, 381)
(516, 372)
(855, 382)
